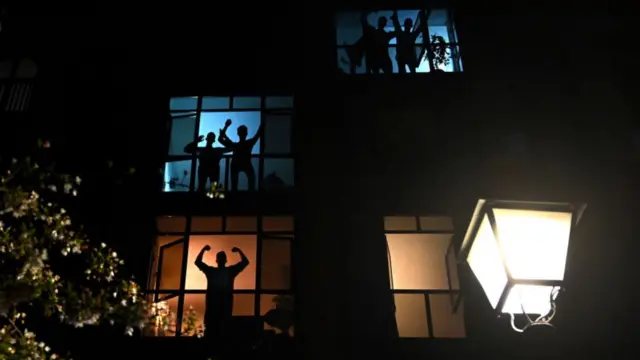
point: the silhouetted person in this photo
(376, 46)
(219, 298)
(209, 160)
(241, 158)
(406, 40)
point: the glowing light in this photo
(518, 253)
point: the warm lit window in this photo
(266, 241)
(424, 282)
(372, 42)
(258, 142)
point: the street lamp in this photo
(518, 253)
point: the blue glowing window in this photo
(385, 41)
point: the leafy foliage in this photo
(41, 252)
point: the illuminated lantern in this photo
(518, 253)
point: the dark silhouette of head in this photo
(221, 259)
(243, 132)
(211, 138)
(408, 24)
(382, 22)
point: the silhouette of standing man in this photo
(376, 44)
(406, 50)
(219, 298)
(209, 160)
(241, 158)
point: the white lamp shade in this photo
(534, 243)
(485, 262)
(519, 254)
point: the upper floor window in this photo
(397, 41)
(423, 276)
(240, 143)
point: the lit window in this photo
(424, 281)
(262, 288)
(384, 41)
(257, 141)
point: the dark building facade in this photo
(363, 181)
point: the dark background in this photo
(561, 75)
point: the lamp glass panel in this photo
(485, 262)
(534, 299)
(534, 243)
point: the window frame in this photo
(264, 111)
(453, 46)
(258, 291)
(454, 293)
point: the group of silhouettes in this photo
(210, 156)
(373, 46)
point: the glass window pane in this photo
(348, 28)
(246, 280)
(195, 306)
(404, 16)
(277, 223)
(417, 261)
(246, 102)
(351, 60)
(445, 323)
(164, 321)
(160, 241)
(436, 223)
(441, 31)
(213, 122)
(212, 176)
(278, 102)
(276, 264)
(423, 61)
(171, 270)
(242, 223)
(206, 224)
(244, 305)
(177, 175)
(278, 174)
(277, 134)
(171, 224)
(183, 129)
(243, 179)
(215, 103)
(278, 310)
(438, 17)
(411, 315)
(400, 223)
(184, 103)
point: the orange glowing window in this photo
(422, 277)
(260, 290)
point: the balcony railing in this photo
(15, 95)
